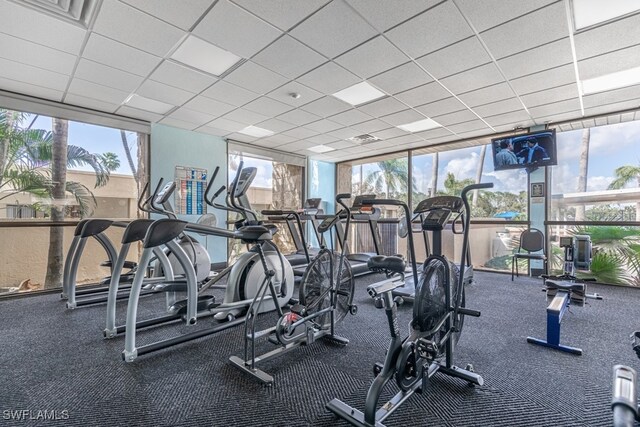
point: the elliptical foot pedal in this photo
(377, 368)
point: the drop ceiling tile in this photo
(322, 139)
(350, 117)
(371, 58)
(433, 133)
(469, 126)
(117, 55)
(403, 117)
(390, 133)
(255, 78)
(208, 106)
(436, 28)
(606, 38)
(339, 145)
(280, 139)
(127, 25)
(36, 55)
(487, 95)
(329, 78)
(240, 137)
(401, 140)
(94, 104)
(176, 75)
(96, 91)
(560, 117)
(544, 80)
(489, 13)
(333, 30)
(382, 107)
(28, 74)
(275, 125)
(613, 97)
(344, 133)
(551, 55)
(300, 133)
(136, 113)
(267, 106)
(386, 14)
(612, 62)
(212, 131)
(164, 93)
(226, 124)
(476, 78)
(288, 57)
(107, 76)
(30, 89)
(421, 95)
(191, 116)
(548, 96)
(245, 116)
(610, 108)
(297, 146)
(513, 119)
(229, 93)
(499, 107)
(326, 106)
(182, 14)
(371, 126)
(454, 118)
(284, 14)
(23, 22)
(444, 106)
(298, 117)
(461, 56)
(283, 94)
(170, 121)
(235, 30)
(535, 29)
(324, 126)
(401, 78)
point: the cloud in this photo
(598, 183)
(512, 181)
(463, 167)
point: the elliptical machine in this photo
(625, 388)
(438, 317)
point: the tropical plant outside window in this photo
(58, 170)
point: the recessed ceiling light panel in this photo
(148, 104)
(321, 149)
(591, 12)
(256, 131)
(611, 81)
(420, 125)
(359, 94)
(204, 56)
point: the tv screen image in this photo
(533, 149)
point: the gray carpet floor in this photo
(56, 360)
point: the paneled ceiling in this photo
(474, 67)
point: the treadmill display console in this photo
(452, 203)
(357, 201)
(244, 181)
(436, 219)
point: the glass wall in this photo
(59, 171)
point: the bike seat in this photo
(393, 264)
(253, 234)
(563, 285)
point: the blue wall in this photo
(321, 182)
(171, 147)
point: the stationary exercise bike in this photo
(326, 296)
(625, 387)
(438, 317)
(564, 290)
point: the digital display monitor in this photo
(533, 149)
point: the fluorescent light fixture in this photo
(591, 12)
(148, 104)
(256, 131)
(321, 149)
(611, 81)
(425, 124)
(359, 94)
(204, 56)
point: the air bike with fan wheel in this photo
(326, 296)
(438, 317)
(433, 214)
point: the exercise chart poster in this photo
(191, 183)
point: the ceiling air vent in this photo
(78, 12)
(364, 139)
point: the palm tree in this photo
(584, 169)
(391, 178)
(453, 187)
(110, 161)
(127, 151)
(483, 153)
(624, 175)
(434, 175)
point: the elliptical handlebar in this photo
(142, 202)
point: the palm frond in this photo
(83, 196)
(78, 156)
(624, 175)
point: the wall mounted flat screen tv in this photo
(529, 150)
